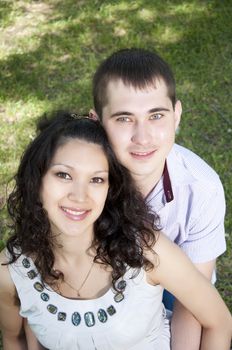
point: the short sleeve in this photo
(206, 237)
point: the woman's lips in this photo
(75, 214)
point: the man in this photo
(134, 97)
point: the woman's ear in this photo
(93, 115)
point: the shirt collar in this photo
(175, 174)
(167, 185)
(162, 190)
(179, 173)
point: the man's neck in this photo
(146, 183)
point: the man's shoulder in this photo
(185, 166)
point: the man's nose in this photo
(141, 134)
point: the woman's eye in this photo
(64, 176)
(97, 180)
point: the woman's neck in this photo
(73, 250)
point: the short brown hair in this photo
(137, 67)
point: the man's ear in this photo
(93, 115)
(177, 112)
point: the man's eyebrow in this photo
(153, 110)
(158, 109)
(117, 114)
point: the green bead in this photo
(121, 285)
(44, 296)
(76, 318)
(61, 316)
(102, 315)
(111, 310)
(52, 309)
(26, 263)
(38, 286)
(89, 319)
(31, 274)
(118, 297)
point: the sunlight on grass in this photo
(120, 29)
(120, 6)
(20, 110)
(192, 8)
(25, 30)
(170, 35)
(17, 130)
(187, 87)
(114, 11)
(147, 15)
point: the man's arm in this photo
(179, 276)
(205, 242)
(185, 329)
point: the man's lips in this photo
(142, 155)
(75, 214)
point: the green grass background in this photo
(49, 50)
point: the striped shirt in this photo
(193, 214)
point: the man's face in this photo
(141, 126)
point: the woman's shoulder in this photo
(6, 283)
(3, 256)
(3, 260)
(164, 255)
(160, 248)
(171, 265)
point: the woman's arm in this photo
(175, 272)
(32, 341)
(11, 323)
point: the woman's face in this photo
(75, 187)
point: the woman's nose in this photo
(78, 192)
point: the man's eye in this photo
(97, 180)
(64, 176)
(123, 119)
(156, 116)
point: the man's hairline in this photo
(115, 79)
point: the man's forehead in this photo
(123, 100)
(115, 84)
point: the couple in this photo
(87, 258)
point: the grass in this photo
(49, 50)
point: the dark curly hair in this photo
(125, 227)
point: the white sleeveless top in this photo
(134, 319)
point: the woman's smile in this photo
(75, 187)
(75, 214)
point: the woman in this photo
(85, 265)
